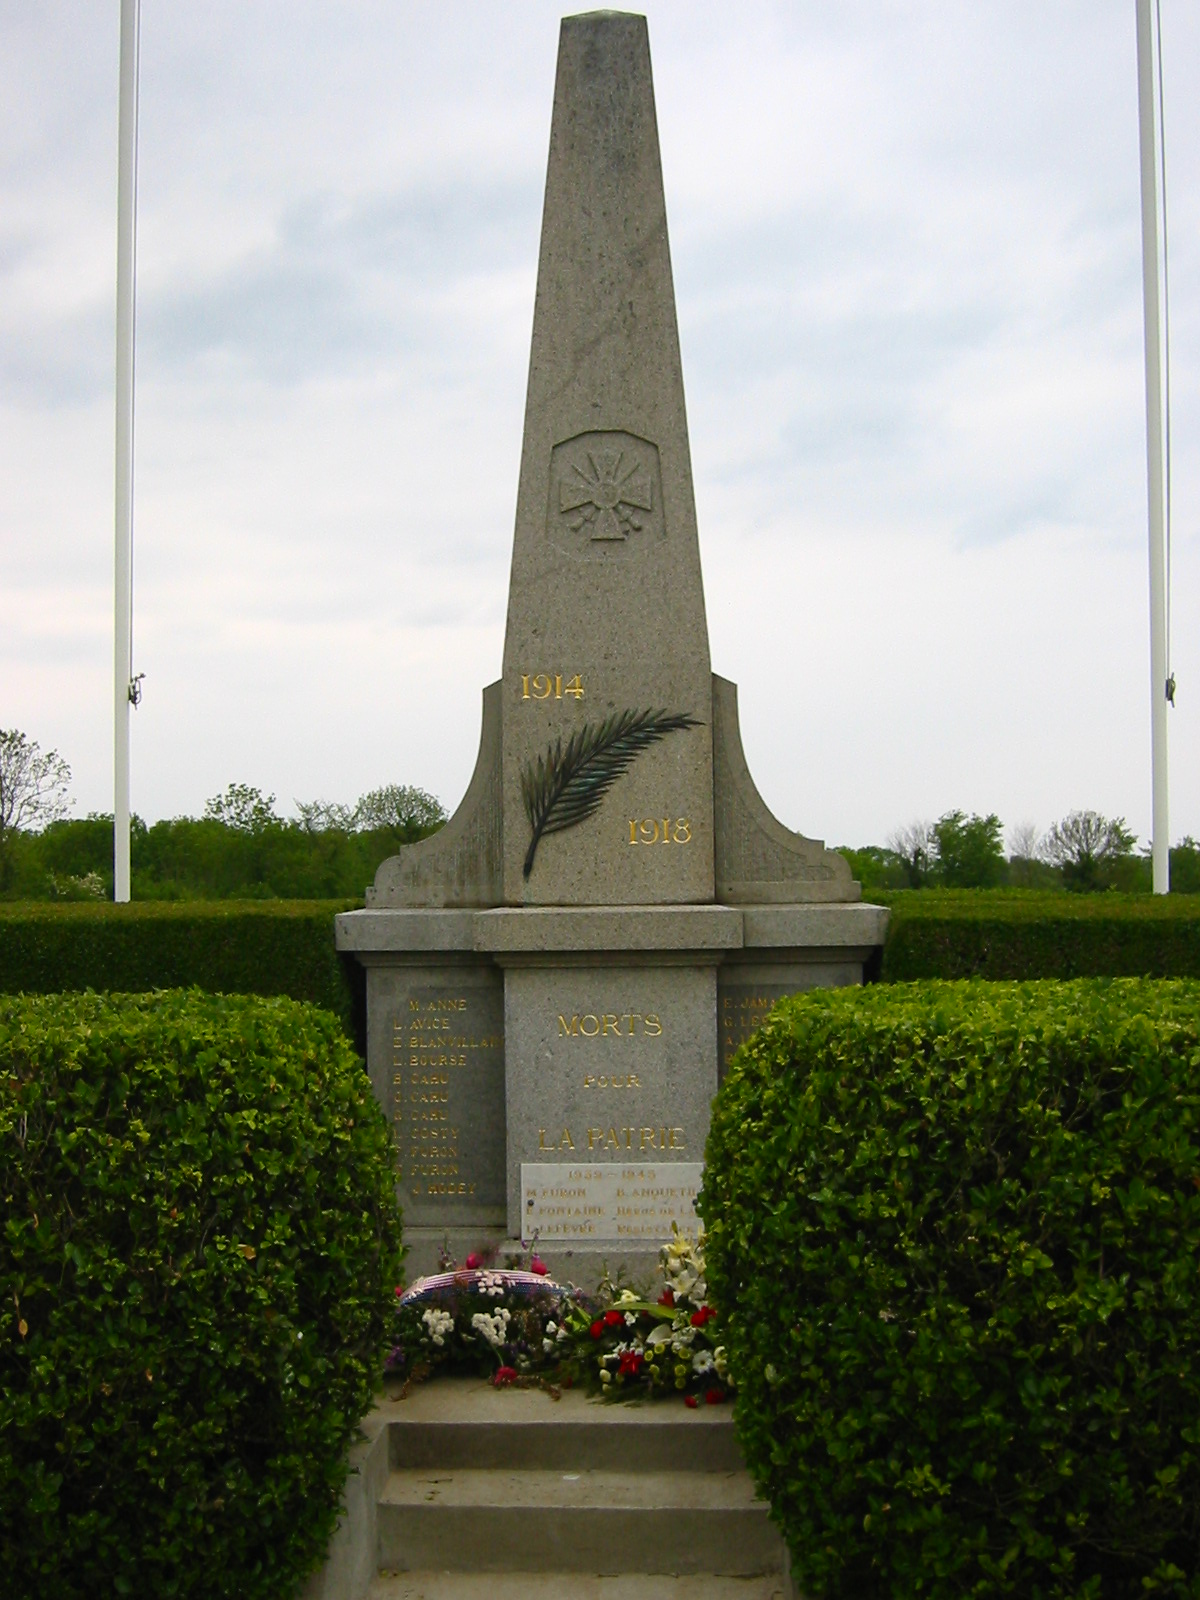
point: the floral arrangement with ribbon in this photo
(519, 1326)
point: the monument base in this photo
(548, 1071)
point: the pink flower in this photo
(539, 1266)
(474, 1262)
(503, 1375)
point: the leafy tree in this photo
(876, 868)
(242, 807)
(320, 816)
(33, 791)
(1089, 849)
(399, 806)
(970, 850)
(970, 854)
(916, 850)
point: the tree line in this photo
(241, 848)
(1084, 852)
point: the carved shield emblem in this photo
(605, 488)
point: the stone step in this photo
(463, 1490)
(577, 1585)
(600, 1522)
(464, 1422)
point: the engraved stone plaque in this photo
(742, 1008)
(447, 1101)
(608, 1065)
(632, 1201)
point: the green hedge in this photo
(954, 1232)
(197, 1267)
(286, 947)
(233, 947)
(1014, 934)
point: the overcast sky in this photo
(906, 243)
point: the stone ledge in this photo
(615, 929)
(825, 927)
(552, 929)
(362, 932)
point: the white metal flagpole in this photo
(124, 690)
(1149, 68)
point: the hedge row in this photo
(1019, 935)
(274, 947)
(954, 1230)
(198, 1266)
(286, 947)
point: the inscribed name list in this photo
(448, 1102)
(742, 1008)
(627, 1201)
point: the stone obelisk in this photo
(606, 633)
(556, 978)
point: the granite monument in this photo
(556, 979)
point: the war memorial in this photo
(557, 979)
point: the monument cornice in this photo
(542, 930)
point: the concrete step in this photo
(465, 1491)
(464, 1422)
(601, 1522)
(576, 1585)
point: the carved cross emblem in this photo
(606, 494)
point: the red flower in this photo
(539, 1266)
(713, 1397)
(503, 1375)
(597, 1328)
(667, 1297)
(632, 1362)
(474, 1262)
(613, 1319)
(690, 1401)
(699, 1318)
(399, 1289)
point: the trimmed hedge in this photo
(954, 1233)
(282, 947)
(197, 1268)
(286, 946)
(1025, 934)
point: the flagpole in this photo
(123, 687)
(1149, 68)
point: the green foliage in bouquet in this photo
(627, 1345)
(955, 1229)
(197, 1267)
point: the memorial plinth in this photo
(557, 979)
